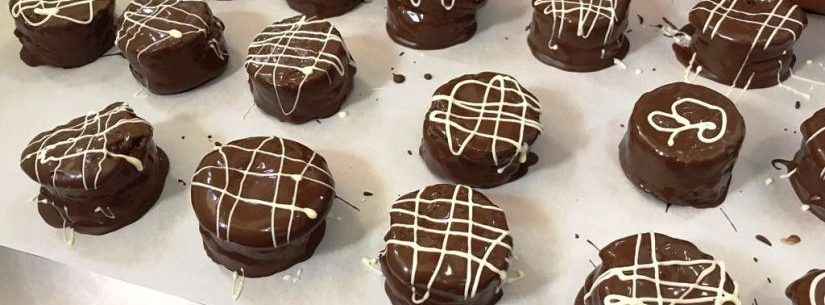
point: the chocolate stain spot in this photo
(764, 240)
(792, 240)
(398, 78)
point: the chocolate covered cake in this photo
(66, 33)
(682, 143)
(479, 129)
(300, 69)
(654, 268)
(432, 24)
(814, 6)
(172, 45)
(447, 244)
(323, 8)
(262, 204)
(808, 167)
(809, 290)
(745, 44)
(98, 173)
(579, 35)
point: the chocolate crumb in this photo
(764, 240)
(401, 54)
(398, 78)
(368, 194)
(576, 236)
(183, 137)
(409, 152)
(797, 105)
(755, 260)
(770, 281)
(428, 76)
(209, 137)
(181, 182)
(792, 240)
(621, 125)
(641, 19)
(218, 144)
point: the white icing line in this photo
(49, 9)
(155, 18)
(700, 127)
(589, 13)
(814, 285)
(237, 284)
(447, 4)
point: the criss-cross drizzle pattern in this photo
(258, 171)
(297, 44)
(145, 20)
(684, 291)
(38, 12)
(85, 141)
(588, 12)
(504, 102)
(425, 227)
(766, 25)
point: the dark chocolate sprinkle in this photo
(764, 240)
(368, 194)
(428, 76)
(398, 78)
(797, 105)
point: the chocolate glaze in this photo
(262, 204)
(323, 8)
(65, 34)
(98, 173)
(809, 290)
(807, 179)
(419, 226)
(740, 44)
(681, 274)
(432, 24)
(696, 169)
(300, 70)
(813, 6)
(172, 46)
(484, 153)
(579, 36)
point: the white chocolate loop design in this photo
(94, 130)
(275, 175)
(281, 42)
(489, 111)
(48, 9)
(589, 13)
(447, 4)
(815, 284)
(155, 18)
(770, 24)
(703, 293)
(483, 263)
(686, 124)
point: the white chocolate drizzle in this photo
(589, 13)
(95, 129)
(235, 198)
(447, 4)
(156, 18)
(282, 42)
(483, 263)
(815, 284)
(703, 293)
(48, 9)
(686, 124)
(237, 284)
(488, 110)
(727, 13)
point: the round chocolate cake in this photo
(323, 8)
(682, 143)
(65, 34)
(172, 45)
(262, 204)
(479, 129)
(654, 268)
(745, 44)
(98, 173)
(432, 24)
(814, 6)
(300, 70)
(808, 167)
(446, 244)
(579, 35)
(809, 290)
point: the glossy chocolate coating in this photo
(680, 275)
(579, 36)
(808, 290)
(300, 70)
(743, 45)
(98, 173)
(814, 6)
(65, 34)
(809, 162)
(696, 170)
(262, 204)
(432, 24)
(323, 8)
(172, 46)
(487, 152)
(419, 222)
